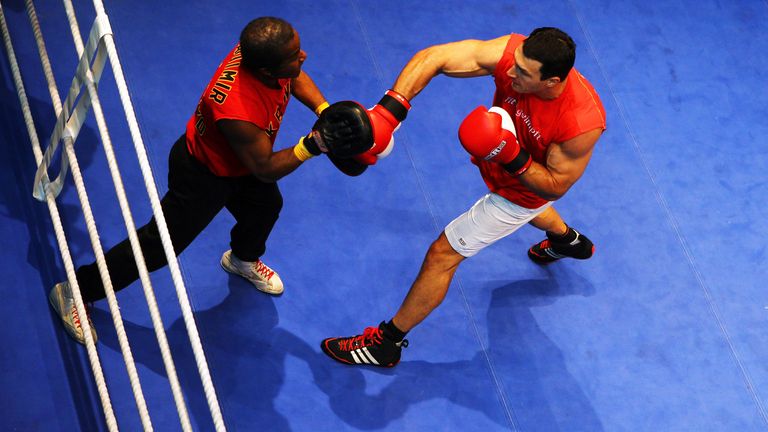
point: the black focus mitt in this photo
(343, 130)
(348, 166)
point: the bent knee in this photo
(442, 253)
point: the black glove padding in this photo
(348, 166)
(343, 130)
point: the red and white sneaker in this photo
(259, 274)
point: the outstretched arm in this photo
(463, 59)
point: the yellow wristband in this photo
(321, 107)
(301, 152)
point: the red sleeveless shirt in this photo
(234, 94)
(539, 123)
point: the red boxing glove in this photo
(490, 135)
(385, 118)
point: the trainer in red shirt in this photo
(225, 159)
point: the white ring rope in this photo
(186, 308)
(59, 230)
(88, 214)
(68, 130)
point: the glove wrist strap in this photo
(301, 152)
(519, 164)
(321, 107)
(395, 103)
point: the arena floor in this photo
(664, 329)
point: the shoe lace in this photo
(370, 336)
(544, 244)
(263, 270)
(76, 316)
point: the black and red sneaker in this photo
(571, 245)
(370, 348)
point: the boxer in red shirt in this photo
(531, 146)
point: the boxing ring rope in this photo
(101, 37)
(59, 230)
(88, 214)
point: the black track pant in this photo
(194, 197)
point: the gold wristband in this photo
(321, 107)
(301, 152)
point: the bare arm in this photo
(565, 164)
(463, 59)
(254, 148)
(306, 91)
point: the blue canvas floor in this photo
(662, 330)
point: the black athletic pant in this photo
(194, 197)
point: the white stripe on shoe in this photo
(553, 254)
(363, 356)
(370, 356)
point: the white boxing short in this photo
(489, 220)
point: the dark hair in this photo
(553, 48)
(262, 41)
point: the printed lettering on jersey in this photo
(271, 129)
(222, 86)
(279, 111)
(512, 102)
(199, 120)
(286, 92)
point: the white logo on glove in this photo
(496, 151)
